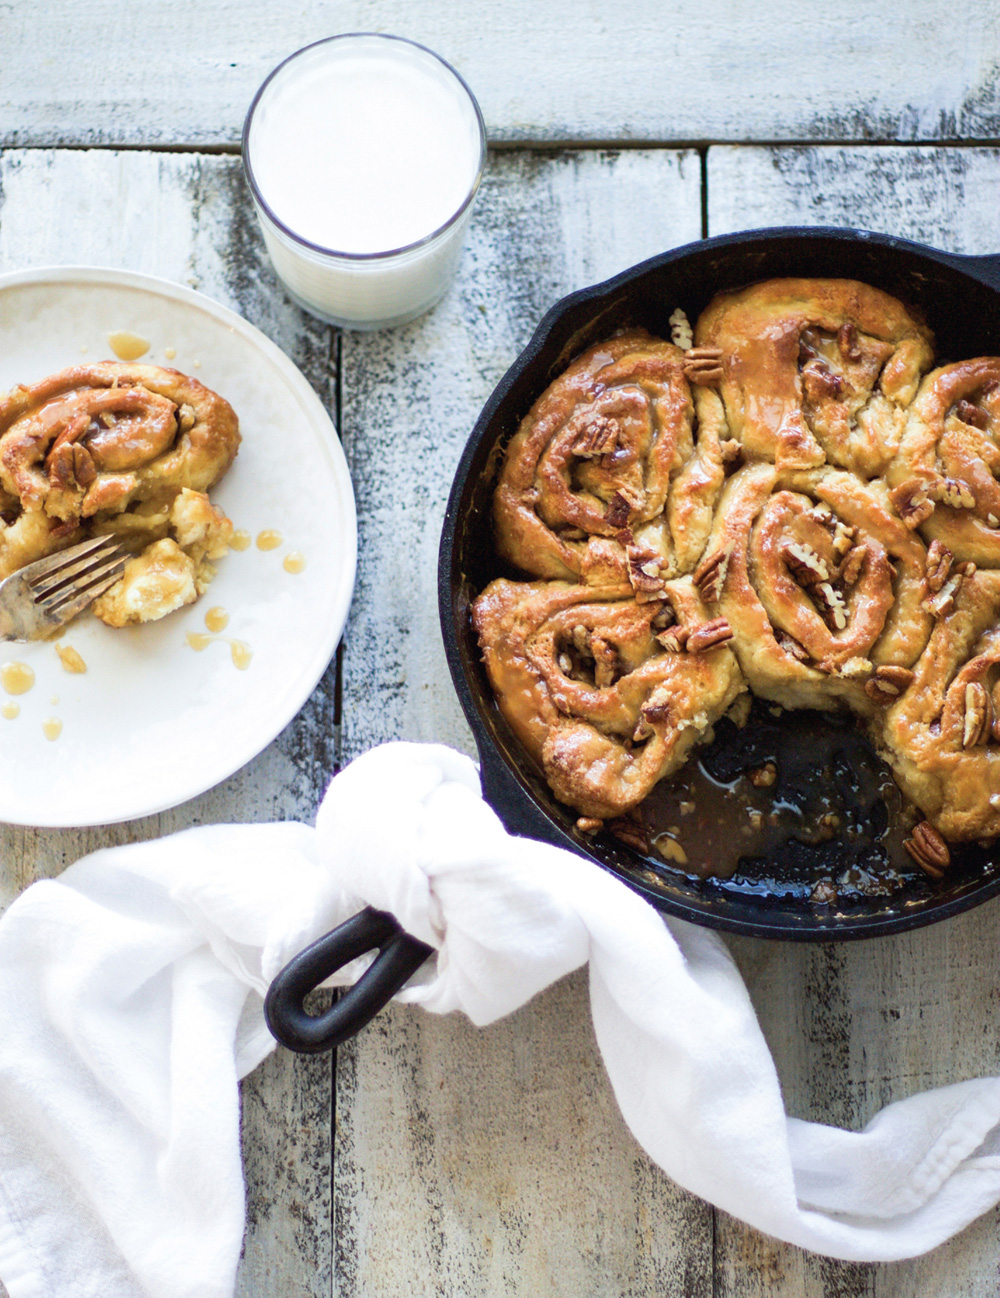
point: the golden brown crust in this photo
(810, 508)
(585, 681)
(816, 370)
(949, 458)
(593, 460)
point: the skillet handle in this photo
(400, 956)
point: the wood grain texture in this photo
(490, 1162)
(946, 197)
(186, 218)
(544, 225)
(857, 1025)
(565, 70)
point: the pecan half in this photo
(709, 636)
(605, 661)
(937, 566)
(631, 834)
(887, 684)
(847, 341)
(804, 563)
(703, 365)
(599, 437)
(970, 414)
(912, 502)
(710, 575)
(831, 605)
(978, 716)
(929, 850)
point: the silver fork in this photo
(43, 596)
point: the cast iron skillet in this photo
(960, 298)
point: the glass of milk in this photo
(364, 154)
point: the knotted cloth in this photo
(131, 1002)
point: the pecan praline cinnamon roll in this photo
(117, 448)
(795, 505)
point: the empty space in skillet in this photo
(773, 893)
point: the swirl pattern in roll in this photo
(117, 448)
(603, 475)
(608, 695)
(801, 478)
(816, 371)
(944, 479)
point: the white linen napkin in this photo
(131, 1002)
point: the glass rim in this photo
(299, 239)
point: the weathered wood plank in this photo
(857, 1025)
(947, 197)
(494, 1162)
(560, 71)
(186, 218)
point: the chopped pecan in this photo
(674, 639)
(709, 636)
(588, 825)
(644, 573)
(820, 382)
(912, 502)
(929, 850)
(978, 716)
(937, 566)
(887, 684)
(631, 834)
(831, 605)
(663, 618)
(804, 563)
(943, 602)
(791, 646)
(843, 536)
(618, 510)
(710, 575)
(732, 451)
(650, 715)
(850, 569)
(955, 494)
(970, 414)
(847, 341)
(601, 436)
(605, 661)
(681, 333)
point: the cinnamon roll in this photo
(944, 478)
(822, 583)
(942, 736)
(588, 490)
(116, 448)
(608, 695)
(816, 371)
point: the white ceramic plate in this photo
(153, 722)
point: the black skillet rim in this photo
(510, 784)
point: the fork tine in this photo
(54, 563)
(55, 599)
(74, 570)
(77, 600)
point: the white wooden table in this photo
(431, 1157)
